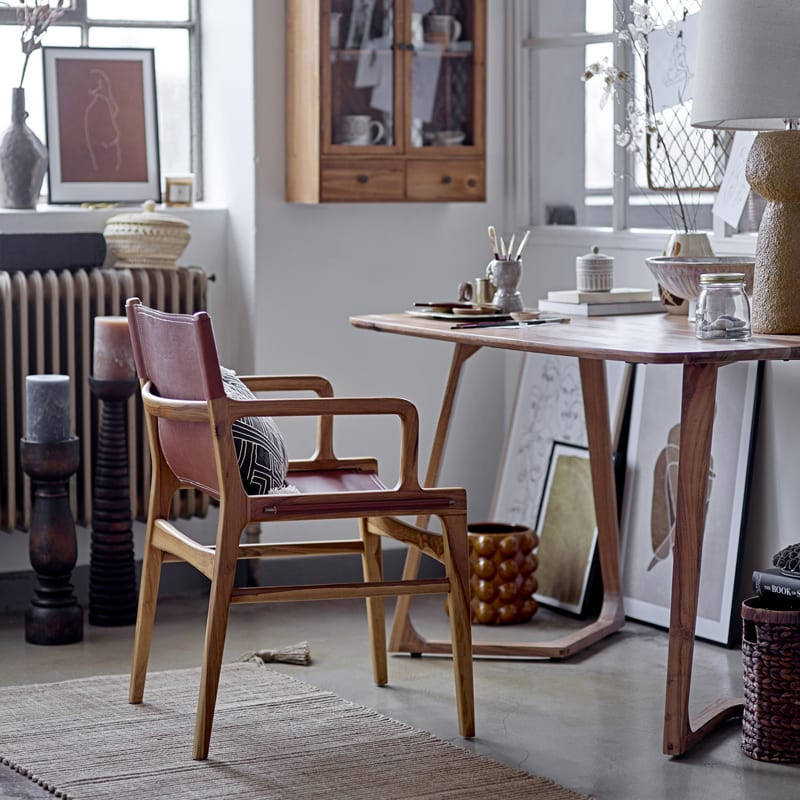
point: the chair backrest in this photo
(178, 355)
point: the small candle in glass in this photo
(47, 404)
(113, 353)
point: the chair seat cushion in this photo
(259, 444)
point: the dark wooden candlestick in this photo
(54, 616)
(112, 576)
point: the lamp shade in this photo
(748, 61)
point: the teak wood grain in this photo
(642, 339)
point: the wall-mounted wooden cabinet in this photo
(385, 100)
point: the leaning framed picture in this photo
(567, 530)
(649, 502)
(548, 408)
(102, 124)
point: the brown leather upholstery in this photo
(177, 353)
(189, 421)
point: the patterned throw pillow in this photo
(260, 449)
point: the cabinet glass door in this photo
(443, 92)
(360, 76)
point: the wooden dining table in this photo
(634, 339)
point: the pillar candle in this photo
(47, 402)
(113, 353)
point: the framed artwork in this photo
(102, 125)
(648, 514)
(567, 530)
(548, 408)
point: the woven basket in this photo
(771, 653)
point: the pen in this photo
(509, 324)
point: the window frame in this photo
(77, 16)
(625, 196)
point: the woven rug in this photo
(274, 737)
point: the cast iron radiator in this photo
(47, 326)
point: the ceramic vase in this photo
(23, 159)
(690, 245)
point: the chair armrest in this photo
(298, 383)
(293, 383)
(178, 410)
(346, 406)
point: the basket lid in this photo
(149, 218)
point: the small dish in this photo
(525, 314)
(443, 306)
(449, 138)
(478, 309)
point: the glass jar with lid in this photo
(723, 310)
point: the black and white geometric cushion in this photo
(260, 448)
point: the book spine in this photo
(775, 584)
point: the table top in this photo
(635, 338)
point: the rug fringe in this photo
(294, 654)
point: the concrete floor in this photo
(592, 723)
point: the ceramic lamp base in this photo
(773, 170)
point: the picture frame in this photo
(101, 123)
(359, 25)
(179, 191)
(647, 523)
(567, 530)
(548, 407)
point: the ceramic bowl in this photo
(681, 276)
(449, 138)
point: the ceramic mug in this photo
(441, 29)
(358, 129)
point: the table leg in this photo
(697, 420)
(405, 638)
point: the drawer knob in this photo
(363, 178)
(447, 179)
(472, 183)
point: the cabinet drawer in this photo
(367, 179)
(454, 180)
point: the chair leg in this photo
(456, 561)
(216, 627)
(376, 614)
(145, 617)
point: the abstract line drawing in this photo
(663, 512)
(549, 407)
(100, 121)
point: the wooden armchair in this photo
(189, 422)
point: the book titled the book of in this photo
(602, 309)
(773, 582)
(612, 296)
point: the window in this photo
(577, 161)
(169, 27)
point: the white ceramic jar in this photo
(594, 272)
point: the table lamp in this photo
(746, 78)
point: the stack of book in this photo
(778, 586)
(595, 304)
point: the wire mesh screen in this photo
(697, 158)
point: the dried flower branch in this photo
(640, 117)
(35, 20)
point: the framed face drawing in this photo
(102, 126)
(648, 514)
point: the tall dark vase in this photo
(23, 159)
